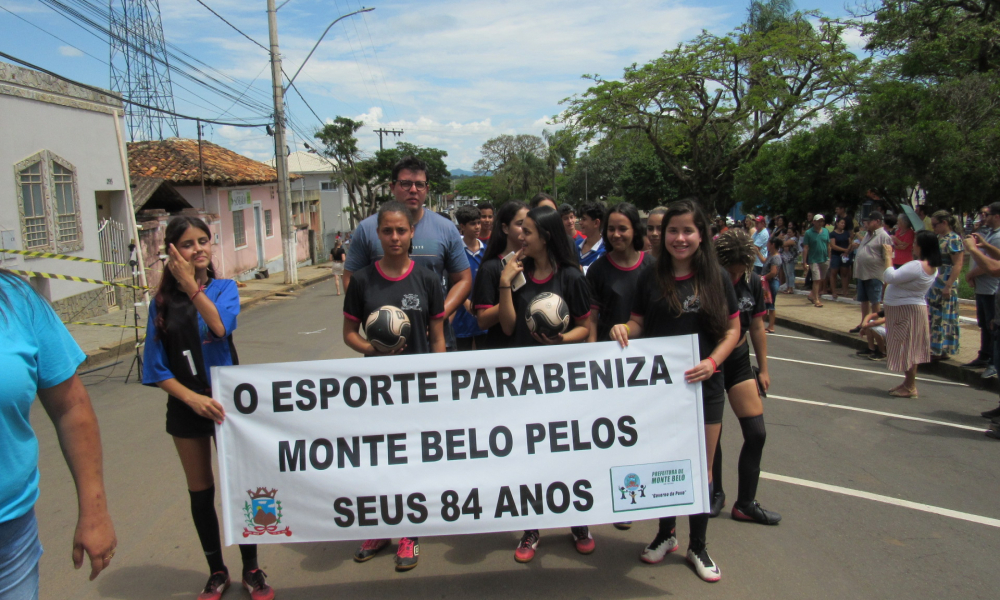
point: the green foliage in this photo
(517, 164)
(477, 186)
(710, 104)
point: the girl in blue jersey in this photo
(688, 293)
(548, 262)
(190, 329)
(395, 280)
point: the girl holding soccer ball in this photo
(549, 264)
(395, 280)
(687, 292)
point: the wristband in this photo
(200, 290)
(504, 287)
(628, 330)
(715, 365)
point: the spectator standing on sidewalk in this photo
(816, 257)
(942, 299)
(986, 289)
(840, 257)
(790, 256)
(868, 267)
(760, 237)
(902, 242)
(988, 256)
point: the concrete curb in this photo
(947, 369)
(124, 350)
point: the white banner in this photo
(464, 442)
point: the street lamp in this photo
(292, 80)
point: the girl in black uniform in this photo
(395, 280)
(735, 250)
(688, 293)
(190, 330)
(548, 261)
(504, 239)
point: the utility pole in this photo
(386, 131)
(281, 152)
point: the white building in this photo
(62, 178)
(315, 185)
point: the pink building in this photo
(236, 196)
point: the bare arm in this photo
(592, 325)
(488, 317)
(184, 272)
(461, 287)
(621, 333)
(975, 246)
(508, 317)
(204, 406)
(352, 337)
(68, 406)
(436, 331)
(347, 280)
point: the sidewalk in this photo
(101, 344)
(838, 317)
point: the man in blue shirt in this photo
(436, 243)
(760, 237)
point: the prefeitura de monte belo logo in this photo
(263, 514)
(632, 487)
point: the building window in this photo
(49, 203)
(268, 224)
(239, 229)
(328, 186)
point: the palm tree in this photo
(561, 153)
(765, 15)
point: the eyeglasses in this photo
(420, 185)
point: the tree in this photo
(560, 154)
(766, 15)
(341, 147)
(479, 186)
(517, 163)
(711, 104)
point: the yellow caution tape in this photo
(60, 257)
(104, 325)
(75, 278)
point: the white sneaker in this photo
(703, 565)
(658, 549)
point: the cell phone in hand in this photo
(519, 281)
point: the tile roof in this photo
(176, 160)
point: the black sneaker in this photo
(856, 329)
(989, 414)
(369, 549)
(752, 512)
(864, 352)
(976, 364)
(217, 584)
(255, 582)
(876, 356)
(407, 554)
(993, 433)
(718, 503)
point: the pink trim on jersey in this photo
(760, 314)
(351, 317)
(688, 276)
(478, 306)
(584, 316)
(378, 267)
(642, 255)
(438, 316)
(546, 280)
(593, 306)
(735, 315)
(635, 314)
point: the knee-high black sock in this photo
(754, 436)
(717, 467)
(206, 522)
(699, 531)
(248, 552)
(668, 525)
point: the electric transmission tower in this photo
(139, 70)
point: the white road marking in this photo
(886, 373)
(877, 412)
(945, 512)
(795, 337)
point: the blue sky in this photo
(450, 73)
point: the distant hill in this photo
(461, 173)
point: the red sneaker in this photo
(218, 582)
(582, 539)
(407, 554)
(526, 549)
(254, 582)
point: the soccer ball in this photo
(387, 328)
(547, 315)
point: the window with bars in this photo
(239, 229)
(328, 186)
(268, 224)
(48, 202)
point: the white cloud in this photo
(69, 51)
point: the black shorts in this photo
(736, 369)
(713, 406)
(183, 422)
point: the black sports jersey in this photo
(568, 283)
(659, 319)
(750, 298)
(418, 292)
(486, 294)
(612, 289)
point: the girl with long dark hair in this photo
(688, 293)
(735, 251)
(190, 330)
(505, 238)
(548, 261)
(395, 280)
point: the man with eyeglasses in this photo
(986, 288)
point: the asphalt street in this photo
(881, 497)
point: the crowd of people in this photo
(468, 288)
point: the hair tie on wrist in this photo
(715, 365)
(628, 329)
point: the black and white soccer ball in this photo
(387, 328)
(547, 315)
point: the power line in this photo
(14, 14)
(381, 71)
(109, 94)
(237, 29)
